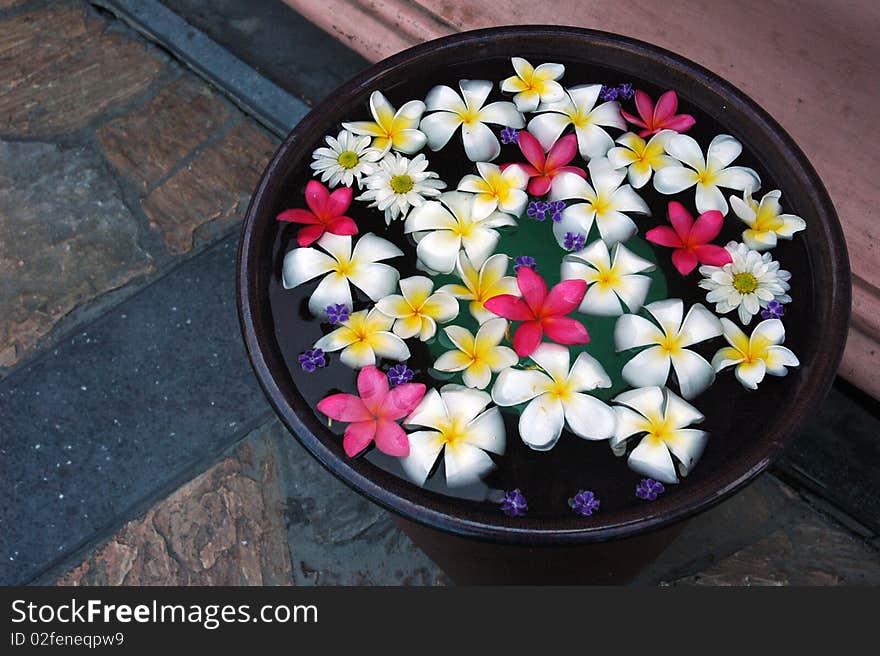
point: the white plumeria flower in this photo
(397, 184)
(479, 285)
(445, 226)
(469, 111)
(579, 109)
(556, 396)
(663, 419)
(361, 267)
(746, 284)
(641, 158)
(755, 356)
(707, 173)
(612, 278)
(362, 338)
(496, 189)
(390, 128)
(668, 346)
(418, 311)
(478, 356)
(765, 220)
(461, 429)
(533, 86)
(344, 159)
(605, 203)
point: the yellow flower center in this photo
(601, 205)
(659, 429)
(402, 184)
(671, 344)
(745, 283)
(348, 159)
(451, 433)
(463, 229)
(580, 119)
(344, 267)
(559, 390)
(608, 278)
(705, 177)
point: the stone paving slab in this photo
(121, 413)
(66, 236)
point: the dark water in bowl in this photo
(733, 414)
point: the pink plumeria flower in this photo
(373, 415)
(690, 238)
(542, 168)
(326, 213)
(653, 118)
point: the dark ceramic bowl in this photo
(748, 430)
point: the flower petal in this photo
(477, 375)
(402, 400)
(615, 227)
(778, 358)
(632, 290)
(750, 374)
(410, 141)
(593, 141)
(685, 149)
(738, 177)
(565, 330)
(674, 179)
(648, 368)
(439, 128)
(664, 236)
(647, 401)
(527, 337)
(370, 248)
(332, 290)
(463, 403)
(502, 113)
(487, 431)
(438, 250)
(565, 297)
(569, 185)
(668, 313)
(445, 98)
(344, 407)
(709, 197)
(651, 458)
(601, 301)
(554, 359)
(589, 418)
(376, 280)
(509, 306)
(431, 411)
(357, 437)
(547, 127)
(479, 244)
(587, 374)
(685, 261)
(699, 325)
(303, 264)
(680, 413)
(453, 361)
(358, 355)
(390, 346)
(540, 424)
(533, 289)
(562, 152)
(391, 439)
(515, 386)
(693, 373)
(707, 227)
(465, 464)
(722, 151)
(687, 446)
(424, 448)
(480, 143)
(632, 331)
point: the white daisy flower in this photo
(556, 397)
(390, 128)
(417, 311)
(662, 419)
(445, 226)
(755, 356)
(765, 220)
(668, 340)
(469, 111)
(579, 109)
(461, 429)
(344, 159)
(397, 183)
(746, 284)
(360, 267)
(605, 203)
(533, 86)
(477, 356)
(613, 278)
(707, 173)
(496, 189)
(362, 338)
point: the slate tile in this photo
(145, 144)
(66, 237)
(121, 413)
(65, 69)
(225, 527)
(212, 191)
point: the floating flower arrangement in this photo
(500, 275)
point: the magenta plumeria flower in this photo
(524, 261)
(584, 503)
(400, 374)
(514, 504)
(509, 136)
(312, 359)
(774, 310)
(574, 241)
(649, 489)
(337, 313)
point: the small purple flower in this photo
(337, 313)
(513, 503)
(649, 489)
(312, 359)
(524, 261)
(625, 91)
(537, 209)
(555, 208)
(774, 310)
(584, 503)
(574, 241)
(509, 136)
(608, 93)
(400, 374)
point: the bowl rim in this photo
(442, 515)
